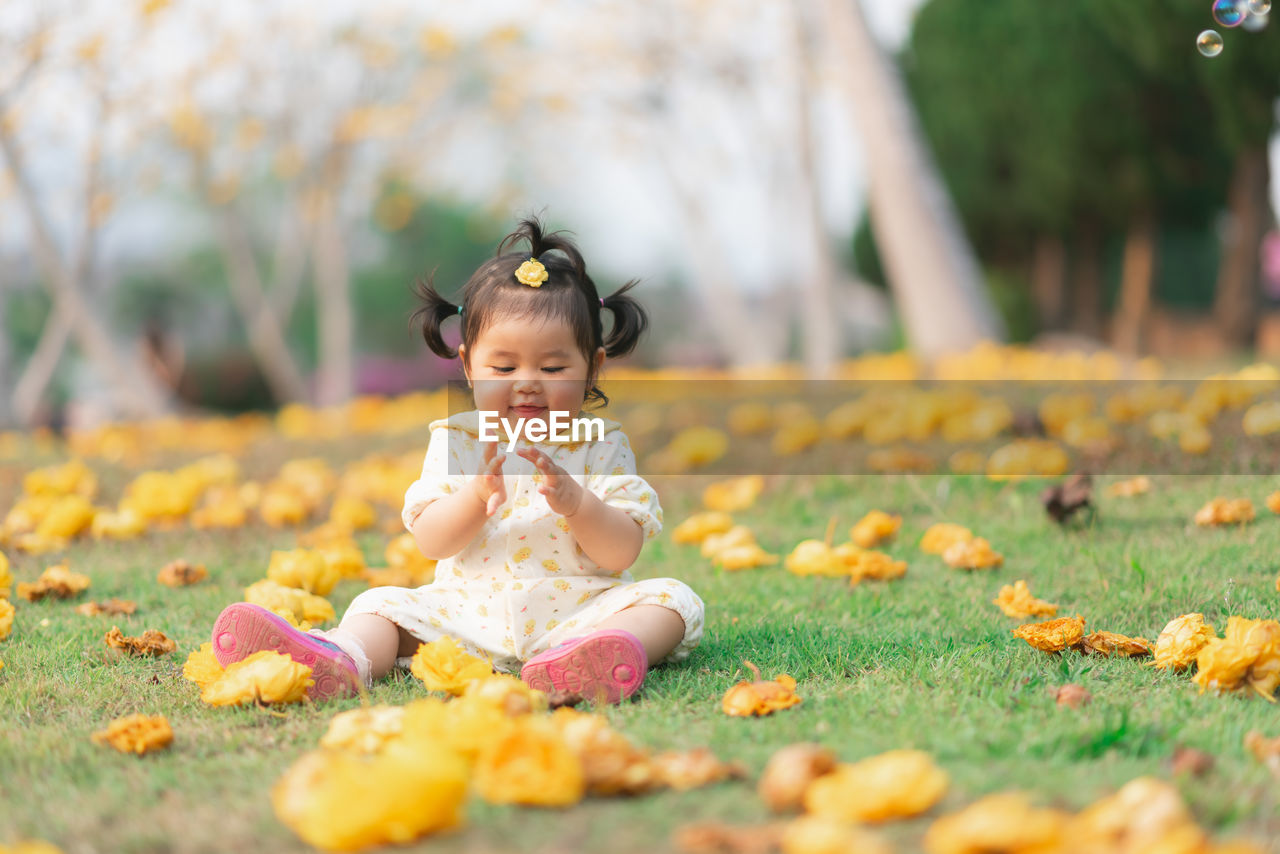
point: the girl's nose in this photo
(527, 382)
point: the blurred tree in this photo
(268, 160)
(54, 56)
(1045, 160)
(1233, 103)
(930, 265)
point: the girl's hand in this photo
(489, 484)
(564, 494)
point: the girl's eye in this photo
(502, 370)
(553, 370)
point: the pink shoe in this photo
(243, 629)
(605, 666)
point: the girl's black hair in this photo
(568, 293)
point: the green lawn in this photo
(926, 662)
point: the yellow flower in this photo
(276, 597)
(442, 666)
(304, 569)
(532, 273)
(941, 536)
(341, 802)
(1003, 822)
(136, 734)
(874, 528)
(1053, 635)
(815, 835)
(202, 666)
(6, 618)
(1181, 641)
(6, 577)
(972, 554)
(530, 764)
(897, 784)
(699, 526)
(264, 677)
(364, 730)
(1016, 601)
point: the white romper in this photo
(523, 584)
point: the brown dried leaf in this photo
(711, 837)
(113, 607)
(56, 581)
(152, 642)
(1188, 760)
(1065, 499)
(1265, 750)
(180, 573)
(1110, 643)
(1073, 696)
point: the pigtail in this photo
(530, 230)
(629, 322)
(433, 310)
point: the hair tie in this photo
(602, 302)
(459, 309)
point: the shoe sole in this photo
(243, 629)
(605, 667)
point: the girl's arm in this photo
(607, 535)
(449, 523)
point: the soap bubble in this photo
(1209, 43)
(1255, 23)
(1230, 13)
(1259, 7)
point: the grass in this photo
(927, 662)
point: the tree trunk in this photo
(262, 327)
(39, 370)
(1236, 292)
(819, 342)
(1049, 281)
(1136, 279)
(137, 392)
(1086, 282)
(335, 316)
(931, 268)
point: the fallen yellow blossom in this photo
(893, 785)
(6, 618)
(941, 536)
(339, 801)
(529, 764)
(789, 773)
(443, 666)
(180, 573)
(152, 642)
(1108, 644)
(1016, 601)
(202, 666)
(1054, 635)
(972, 554)
(264, 677)
(304, 569)
(1130, 488)
(761, 697)
(729, 496)
(699, 526)
(815, 557)
(364, 730)
(56, 581)
(1181, 640)
(1225, 511)
(303, 605)
(1002, 823)
(875, 528)
(136, 734)
(818, 835)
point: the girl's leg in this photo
(658, 629)
(383, 641)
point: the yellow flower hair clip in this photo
(532, 273)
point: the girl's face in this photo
(526, 369)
